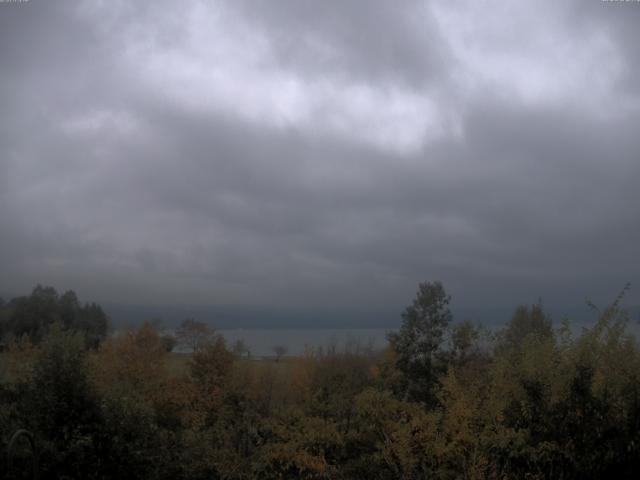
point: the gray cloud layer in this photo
(320, 153)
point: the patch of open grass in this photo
(178, 363)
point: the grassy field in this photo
(178, 363)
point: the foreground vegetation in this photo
(442, 401)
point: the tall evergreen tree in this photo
(419, 341)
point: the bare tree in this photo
(240, 348)
(279, 350)
(194, 335)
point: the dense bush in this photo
(444, 400)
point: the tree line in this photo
(444, 400)
(31, 316)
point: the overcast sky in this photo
(320, 154)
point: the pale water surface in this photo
(261, 342)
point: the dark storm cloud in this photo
(296, 154)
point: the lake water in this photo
(261, 342)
